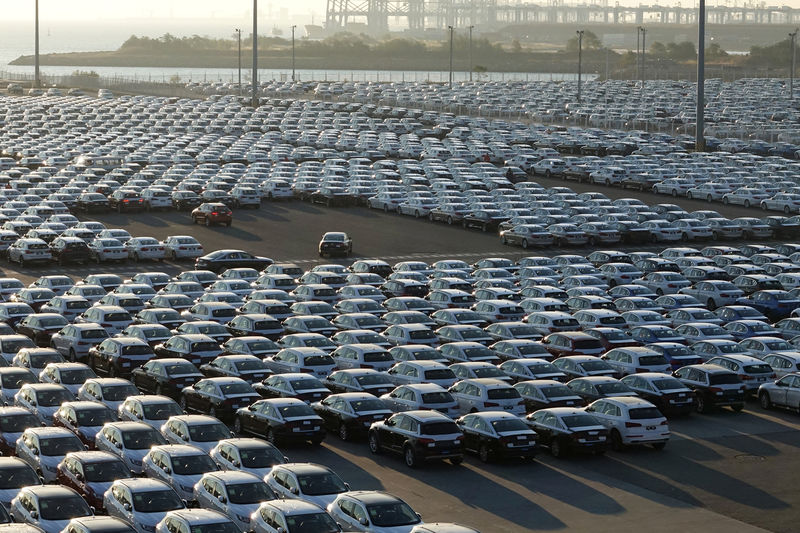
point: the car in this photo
(15, 474)
(130, 441)
(70, 375)
(210, 213)
(783, 392)
(545, 393)
(49, 508)
(110, 392)
(313, 361)
(98, 524)
(292, 514)
(44, 447)
(309, 482)
(584, 365)
(751, 371)
(69, 250)
(280, 420)
(165, 376)
(234, 494)
(178, 247)
(497, 435)
(335, 242)
(40, 327)
(635, 359)
(487, 394)
(591, 388)
(219, 397)
(410, 433)
(220, 260)
(91, 474)
(42, 399)
(142, 502)
(714, 386)
(631, 421)
(83, 418)
(197, 348)
(373, 511)
(293, 385)
(564, 430)
(196, 520)
(422, 371)
(179, 465)
(247, 454)
(153, 410)
(119, 356)
(351, 414)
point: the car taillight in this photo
(491, 404)
(632, 425)
(671, 285)
(714, 389)
(362, 365)
(423, 440)
(663, 423)
(745, 377)
(229, 401)
(641, 370)
(106, 325)
(83, 343)
(214, 213)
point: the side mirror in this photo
(251, 408)
(347, 486)
(236, 463)
(295, 491)
(390, 422)
(79, 476)
(139, 416)
(118, 445)
(222, 499)
(167, 470)
(35, 451)
(35, 515)
(127, 507)
(363, 521)
(93, 510)
(280, 530)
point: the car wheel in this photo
(410, 457)
(71, 355)
(183, 404)
(483, 453)
(659, 445)
(119, 208)
(785, 208)
(616, 441)
(747, 203)
(685, 237)
(237, 426)
(525, 243)
(212, 411)
(455, 461)
(503, 239)
(112, 371)
(416, 214)
(708, 198)
(592, 241)
(675, 193)
(715, 235)
(135, 257)
(343, 432)
(449, 221)
(555, 449)
(271, 436)
(700, 406)
(711, 304)
(608, 182)
(227, 224)
(725, 201)
(547, 173)
(21, 262)
(385, 208)
(689, 196)
(737, 408)
(659, 292)
(208, 222)
(374, 444)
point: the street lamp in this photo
(793, 37)
(36, 81)
(239, 37)
(255, 54)
(470, 52)
(638, 47)
(580, 58)
(644, 51)
(293, 27)
(699, 139)
(451, 55)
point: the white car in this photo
(198, 430)
(255, 456)
(103, 250)
(634, 359)
(631, 420)
(235, 494)
(373, 511)
(142, 502)
(49, 508)
(661, 230)
(281, 516)
(130, 441)
(44, 447)
(140, 248)
(182, 247)
(487, 394)
(311, 482)
(782, 201)
(179, 465)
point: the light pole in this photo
(470, 52)
(451, 55)
(793, 37)
(580, 58)
(699, 138)
(644, 51)
(239, 37)
(638, 45)
(293, 27)
(255, 54)
(36, 81)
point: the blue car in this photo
(744, 329)
(676, 354)
(774, 303)
(729, 313)
(677, 301)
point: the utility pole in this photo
(293, 27)
(451, 55)
(239, 36)
(255, 54)
(37, 82)
(580, 58)
(699, 138)
(470, 52)
(793, 37)
(638, 57)
(644, 52)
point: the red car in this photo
(212, 213)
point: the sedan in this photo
(218, 397)
(565, 429)
(497, 435)
(352, 413)
(784, 392)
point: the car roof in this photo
(93, 456)
(142, 483)
(233, 477)
(199, 516)
(294, 506)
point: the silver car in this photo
(306, 481)
(130, 441)
(142, 502)
(48, 507)
(43, 448)
(784, 392)
(236, 494)
(180, 465)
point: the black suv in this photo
(418, 436)
(70, 250)
(714, 386)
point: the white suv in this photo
(631, 421)
(487, 394)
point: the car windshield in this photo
(15, 477)
(392, 514)
(260, 457)
(254, 492)
(136, 349)
(118, 393)
(63, 507)
(52, 398)
(17, 423)
(667, 384)
(142, 439)
(161, 411)
(156, 501)
(361, 406)
(306, 384)
(41, 361)
(509, 424)
(311, 523)
(57, 446)
(642, 413)
(439, 428)
(180, 369)
(17, 380)
(322, 483)
(75, 377)
(94, 417)
(290, 411)
(577, 421)
(187, 465)
(106, 471)
(13, 346)
(208, 432)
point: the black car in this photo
(70, 250)
(418, 436)
(497, 435)
(92, 202)
(185, 200)
(631, 232)
(218, 397)
(714, 386)
(196, 348)
(293, 385)
(335, 242)
(484, 219)
(167, 317)
(252, 345)
(40, 327)
(566, 429)
(166, 377)
(222, 260)
(543, 393)
(247, 367)
(119, 356)
(351, 413)
(359, 380)
(125, 200)
(665, 392)
(13, 422)
(280, 420)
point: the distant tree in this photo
(590, 42)
(778, 54)
(516, 47)
(684, 51)
(715, 51)
(658, 49)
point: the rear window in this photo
(377, 357)
(651, 360)
(319, 360)
(644, 413)
(723, 379)
(442, 373)
(439, 428)
(758, 369)
(437, 397)
(587, 345)
(505, 393)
